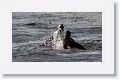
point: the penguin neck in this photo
(67, 37)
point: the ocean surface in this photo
(31, 29)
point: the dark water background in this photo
(31, 29)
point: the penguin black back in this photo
(68, 41)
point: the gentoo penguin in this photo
(58, 37)
(69, 42)
(56, 40)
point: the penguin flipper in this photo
(77, 45)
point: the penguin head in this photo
(68, 33)
(61, 26)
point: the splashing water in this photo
(28, 40)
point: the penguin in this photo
(68, 42)
(58, 37)
(56, 40)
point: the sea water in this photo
(31, 29)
